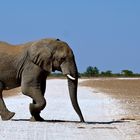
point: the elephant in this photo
(28, 65)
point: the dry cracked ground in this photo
(111, 108)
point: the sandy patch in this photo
(116, 86)
(12, 92)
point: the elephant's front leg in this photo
(36, 116)
(39, 102)
(36, 107)
(31, 85)
(43, 88)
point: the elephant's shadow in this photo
(67, 121)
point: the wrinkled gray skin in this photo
(28, 66)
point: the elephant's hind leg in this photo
(4, 112)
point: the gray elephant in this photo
(28, 66)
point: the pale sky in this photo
(102, 33)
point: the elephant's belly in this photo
(9, 81)
(11, 84)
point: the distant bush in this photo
(95, 72)
(91, 71)
(53, 75)
(107, 73)
(127, 73)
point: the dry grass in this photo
(115, 87)
(125, 91)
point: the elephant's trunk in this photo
(72, 84)
(69, 69)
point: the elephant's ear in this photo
(41, 56)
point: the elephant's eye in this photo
(62, 59)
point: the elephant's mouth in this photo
(68, 75)
(66, 71)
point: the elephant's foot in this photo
(35, 112)
(36, 118)
(7, 115)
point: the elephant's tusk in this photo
(70, 77)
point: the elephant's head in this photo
(53, 54)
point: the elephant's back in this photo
(4, 43)
(9, 48)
